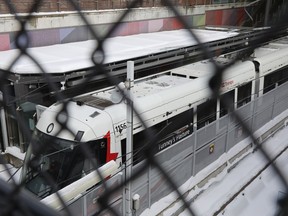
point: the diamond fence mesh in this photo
(15, 200)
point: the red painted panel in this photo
(4, 42)
(176, 24)
(241, 16)
(214, 17)
(167, 24)
(133, 28)
(228, 17)
(171, 24)
(208, 18)
(218, 17)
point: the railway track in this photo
(253, 178)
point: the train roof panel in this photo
(194, 70)
(206, 67)
(176, 77)
(269, 48)
(280, 42)
(96, 102)
(270, 63)
(146, 86)
(258, 53)
(62, 58)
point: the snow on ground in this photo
(15, 151)
(6, 170)
(259, 198)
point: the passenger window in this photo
(228, 96)
(163, 130)
(244, 94)
(283, 77)
(206, 113)
(98, 150)
(270, 82)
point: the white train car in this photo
(170, 102)
(95, 120)
(271, 67)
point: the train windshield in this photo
(59, 162)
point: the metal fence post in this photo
(129, 138)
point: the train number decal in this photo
(119, 128)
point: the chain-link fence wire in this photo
(14, 200)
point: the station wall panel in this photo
(76, 34)
(5, 42)
(44, 37)
(227, 17)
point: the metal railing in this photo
(15, 200)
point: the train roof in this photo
(195, 74)
(271, 47)
(154, 96)
(62, 58)
(272, 56)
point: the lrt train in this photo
(176, 98)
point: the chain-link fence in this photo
(46, 171)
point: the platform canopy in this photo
(64, 58)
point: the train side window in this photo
(75, 167)
(98, 149)
(244, 94)
(283, 76)
(228, 96)
(270, 82)
(139, 143)
(179, 121)
(274, 79)
(163, 129)
(123, 150)
(206, 113)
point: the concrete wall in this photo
(54, 28)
